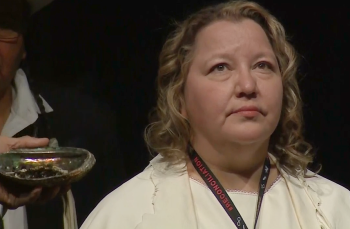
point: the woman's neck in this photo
(236, 167)
(5, 106)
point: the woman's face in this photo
(233, 91)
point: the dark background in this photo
(109, 51)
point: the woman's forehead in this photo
(232, 37)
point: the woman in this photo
(229, 135)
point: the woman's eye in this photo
(219, 68)
(264, 65)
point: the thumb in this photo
(24, 142)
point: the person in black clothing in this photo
(74, 118)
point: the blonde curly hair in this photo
(169, 133)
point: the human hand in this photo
(13, 195)
(6, 143)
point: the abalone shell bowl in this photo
(46, 167)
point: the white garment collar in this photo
(24, 110)
(178, 196)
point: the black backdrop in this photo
(109, 50)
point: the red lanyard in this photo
(220, 193)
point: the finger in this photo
(48, 194)
(28, 142)
(14, 202)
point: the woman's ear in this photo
(183, 110)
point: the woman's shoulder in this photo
(324, 186)
(333, 200)
(125, 206)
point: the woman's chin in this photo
(248, 137)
